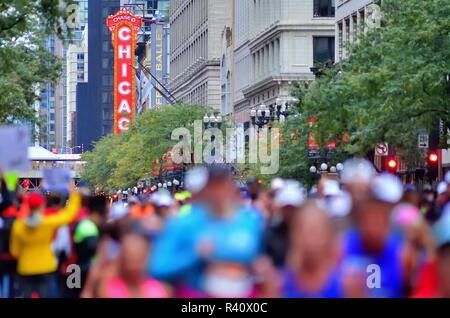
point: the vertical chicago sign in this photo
(124, 27)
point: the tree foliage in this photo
(24, 62)
(119, 161)
(392, 85)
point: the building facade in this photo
(275, 44)
(95, 99)
(77, 72)
(50, 104)
(77, 23)
(195, 46)
(351, 21)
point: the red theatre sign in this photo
(124, 27)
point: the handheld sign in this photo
(57, 180)
(14, 148)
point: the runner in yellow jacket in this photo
(31, 243)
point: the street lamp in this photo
(212, 122)
(260, 116)
(313, 169)
(72, 148)
(325, 167)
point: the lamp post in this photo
(213, 122)
(262, 115)
(326, 168)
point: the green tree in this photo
(119, 161)
(24, 62)
(393, 83)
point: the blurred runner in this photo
(130, 280)
(209, 252)
(434, 280)
(373, 243)
(9, 206)
(286, 202)
(86, 236)
(312, 269)
(104, 263)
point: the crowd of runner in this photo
(363, 234)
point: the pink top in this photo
(150, 288)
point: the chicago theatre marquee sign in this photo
(124, 27)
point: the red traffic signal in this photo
(433, 157)
(392, 164)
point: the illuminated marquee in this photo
(124, 27)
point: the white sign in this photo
(57, 180)
(423, 141)
(14, 148)
(382, 150)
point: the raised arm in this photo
(67, 214)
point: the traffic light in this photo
(433, 165)
(392, 164)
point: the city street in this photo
(224, 150)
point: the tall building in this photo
(351, 22)
(195, 45)
(51, 103)
(77, 72)
(277, 43)
(95, 99)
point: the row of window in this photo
(198, 48)
(349, 30)
(199, 95)
(266, 60)
(187, 21)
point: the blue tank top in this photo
(292, 289)
(175, 254)
(389, 262)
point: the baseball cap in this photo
(387, 188)
(196, 179)
(276, 184)
(441, 229)
(331, 187)
(292, 194)
(339, 205)
(447, 177)
(357, 169)
(442, 187)
(162, 198)
(36, 200)
(406, 214)
(118, 211)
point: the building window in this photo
(355, 27)
(324, 8)
(347, 31)
(340, 40)
(323, 49)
